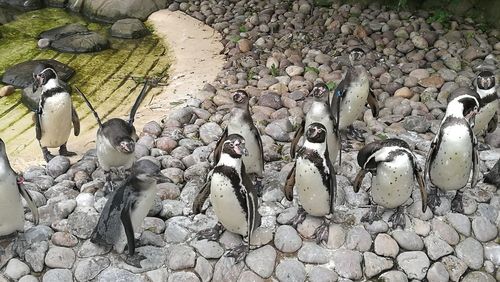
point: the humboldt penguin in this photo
(486, 119)
(314, 177)
(11, 190)
(232, 194)
(115, 141)
(127, 207)
(55, 114)
(453, 153)
(241, 122)
(320, 113)
(349, 98)
(394, 168)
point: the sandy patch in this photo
(195, 52)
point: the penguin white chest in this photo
(56, 120)
(450, 169)
(393, 182)
(484, 116)
(321, 114)
(226, 205)
(109, 157)
(11, 208)
(354, 102)
(253, 162)
(313, 195)
(144, 202)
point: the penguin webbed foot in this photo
(355, 134)
(299, 218)
(46, 154)
(433, 200)
(63, 151)
(371, 216)
(134, 260)
(483, 146)
(211, 234)
(239, 252)
(321, 233)
(457, 204)
(398, 218)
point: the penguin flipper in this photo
(339, 94)
(107, 231)
(372, 101)
(26, 195)
(296, 138)
(432, 153)
(358, 180)
(256, 133)
(492, 125)
(289, 183)
(252, 200)
(218, 146)
(201, 197)
(475, 163)
(421, 184)
(129, 229)
(138, 101)
(76, 121)
(38, 126)
(333, 183)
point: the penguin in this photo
(11, 190)
(55, 114)
(241, 122)
(233, 195)
(127, 207)
(349, 98)
(486, 119)
(319, 112)
(314, 177)
(453, 153)
(394, 168)
(115, 140)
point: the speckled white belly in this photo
(253, 163)
(319, 113)
(484, 116)
(56, 120)
(109, 157)
(353, 104)
(392, 185)
(226, 205)
(451, 168)
(11, 209)
(313, 195)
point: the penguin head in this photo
(356, 55)
(235, 146)
(120, 134)
(126, 145)
(240, 98)
(466, 106)
(147, 171)
(316, 133)
(485, 80)
(319, 91)
(42, 77)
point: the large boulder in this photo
(6, 15)
(112, 10)
(62, 31)
(31, 99)
(56, 3)
(21, 75)
(81, 43)
(129, 28)
(26, 5)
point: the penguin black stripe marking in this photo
(318, 161)
(233, 176)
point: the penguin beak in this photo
(471, 117)
(127, 147)
(242, 150)
(37, 82)
(160, 178)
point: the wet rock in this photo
(63, 31)
(21, 75)
(290, 270)
(348, 264)
(471, 252)
(112, 10)
(81, 43)
(129, 28)
(414, 264)
(262, 261)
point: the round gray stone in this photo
(471, 252)
(262, 261)
(437, 273)
(414, 264)
(287, 239)
(290, 270)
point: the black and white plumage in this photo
(115, 140)
(55, 115)
(320, 113)
(232, 193)
(394, 169)
(486, 119)
(314, 178)
(127, 207)
(453, 153)
(349, 98)
(241, 122)
(11, 190)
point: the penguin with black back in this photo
(55, 114)
(394, 169)
(115, 141)
(320, 113)
(349, 98)
(453, 154)
(486, 119)
(126, 209)
(314, 177)
(11, 190)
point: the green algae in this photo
(105, 77)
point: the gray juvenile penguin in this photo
(453, 153)
(55, 115)
(11, 190)
(394, 169)
(486, 119)
(314, 177)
